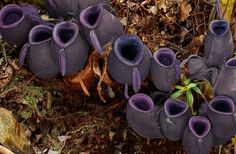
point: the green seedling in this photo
(187, 90)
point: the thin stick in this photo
(220, 149)
(218, 8)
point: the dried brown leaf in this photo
(183, 33)
(85, 79)
(185, 9)
(105, 78)
(12, 134)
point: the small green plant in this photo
(187, 90)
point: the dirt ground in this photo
(52, 108)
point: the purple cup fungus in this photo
(226, 83)
(100, 26)
(84, 4)
(38, 52)
(129, 62)
(174, 118)
(197, 138)
(51, 8)
(199, 69)
(222, 114)
(165, 69)
(69, 48)
(218, 47)
(142, 116)
(72, 8)
(16, 22)
(62, 8)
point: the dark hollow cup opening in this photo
(222, 106)
(165, 58)
(219, 27)
(231, 62)
(141, 102)
(41, 35)
(174, 107)
(92, 15)
(129, 49)
(66, 34)
(200, 126)
(12, 16)
(142, 105)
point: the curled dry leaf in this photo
(102, 73)
(64, 138)
(183, 33)
(12, 134)
(85, 79)
(6, 75)
(185, 9)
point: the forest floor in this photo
(59, 117)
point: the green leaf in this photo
(191, 85)
(187, 82)
(177, 94)
(179, 87)
(189, 97)
(197, 90)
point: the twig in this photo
(177, 48)
(4, 93)
(235, 145)
(76, 131)
(220, 149)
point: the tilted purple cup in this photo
(165, 69)
(174, 118)
(199, 69)
(66, 8)
(51, 8)
(16, 23)
(222, 114)
(38, 52)
(69, 48)
(129, 62)
(84, 4)
(142, 116)
(197, 138)
(100, 26)
(62, 8)
(219, 46)
(226, 83)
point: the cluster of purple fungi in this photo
(62, 46)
